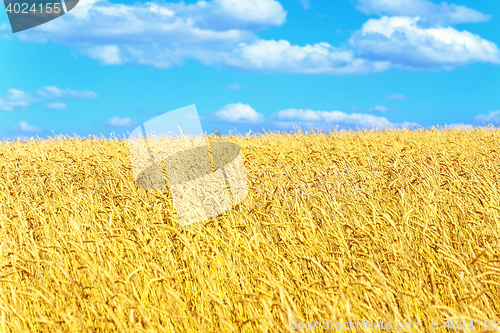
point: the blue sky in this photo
(108, 66)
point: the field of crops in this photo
(397, 225)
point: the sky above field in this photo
(108, 66)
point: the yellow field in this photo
(396, 226)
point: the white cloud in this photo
(303, 115)
(280, 56)
(251, 14)
(309, 118)
(23, 126)
(397, 97)
(56, 106)
(234, 86)
(306, 4)
(431, 13)
(222, 33)
(106, 54)
(165, 22)
(15, 99)
(161, 34)
(401, 42)
(239, 113)
(120, 122)
(490, 117)
(54, 92)
(162, 11)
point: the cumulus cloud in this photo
(400, 41)
(218, 21)
(397, 97)
(222, 33)
(162, 34)
(56, 106)
(106, 54)
(15, 99)
(54, 92)
(329, 119)
(431, 13)
(243, 14)
(270, 56)
(24, 127)
(234, 86)
(239, 113)
(488, 118)
(120, 122)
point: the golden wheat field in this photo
(394, 226)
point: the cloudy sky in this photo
(108, 66)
